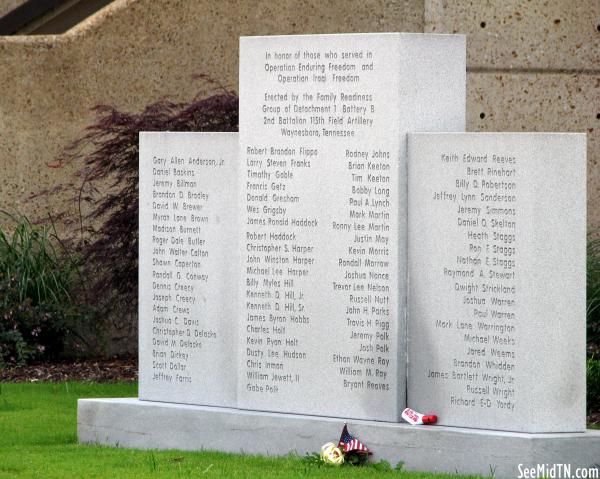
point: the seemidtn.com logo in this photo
(557, 471)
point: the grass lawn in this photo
(38, 439)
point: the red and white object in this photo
(414, 417)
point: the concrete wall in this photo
(9, 5)
(532, 66)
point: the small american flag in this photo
(350, 444)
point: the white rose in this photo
(331, 454)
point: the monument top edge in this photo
(357, 34)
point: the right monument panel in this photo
(497, 239)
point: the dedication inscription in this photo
(323, 213)
(496, 249)
(188, 257)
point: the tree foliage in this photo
(105, 188)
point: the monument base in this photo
(130, 422)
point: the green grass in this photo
(38, 439)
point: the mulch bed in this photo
(100, 371)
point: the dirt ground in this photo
(101, 371)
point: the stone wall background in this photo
(532, 66)
(9, 5)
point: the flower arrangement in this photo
(348, 450)
(331, 454)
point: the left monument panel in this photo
(187, 257)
